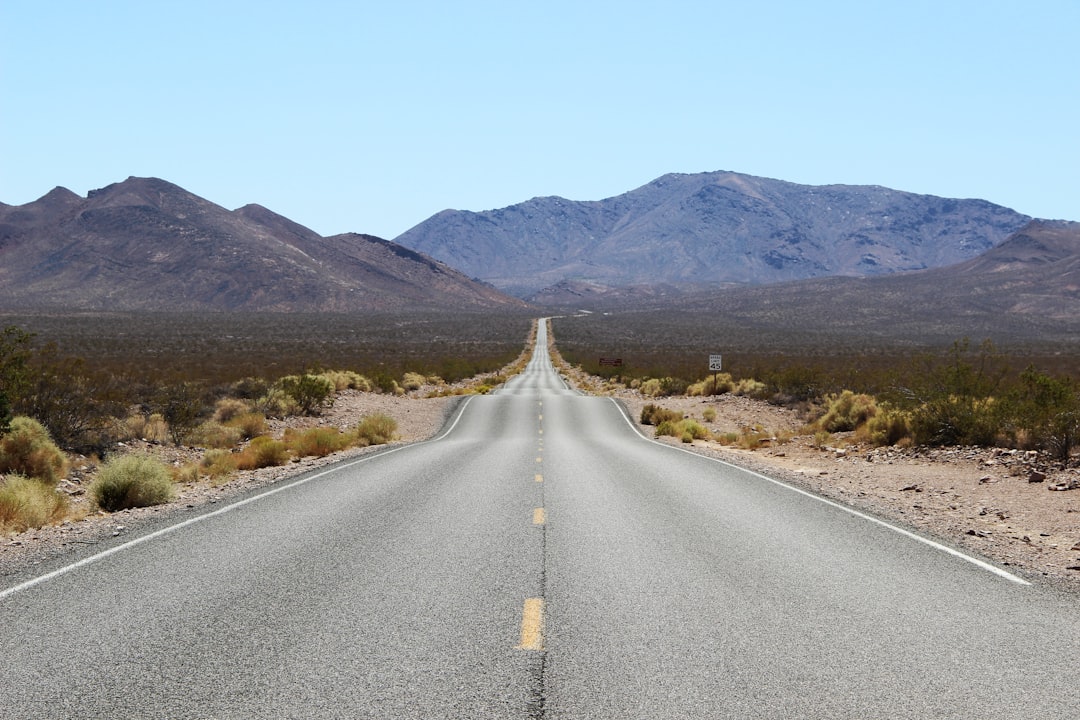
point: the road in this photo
(538, 559)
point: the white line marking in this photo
(4, 594)
(870, 518)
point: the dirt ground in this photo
(993, 503)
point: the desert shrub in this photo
(712, 385)
(317, 441)
(218, 463)
(263, 451)
(952, 401)
(186, 473)
(212, 434)
(749, 387)
(152, 428)
(27, 503)
(663, 387)
(667, 427)
(27, 449)
(1047, 410)
(709, 414)
(278, 403)
(847, 411)
(181, 405)
(888, 427)
(228, 408)
(377, 429)
(250, 424)
(687, 429)
(131, 481)
(413, 381)
(347, 380)
(250, 388)
(310, 392)
(654, 415)
(5, 413)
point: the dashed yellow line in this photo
(538, 516)
(539, 477)
(532, 625)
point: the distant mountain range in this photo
(146, 244)
(1025, 290)
(711, 230)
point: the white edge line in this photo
(33, 582)
(851, 511)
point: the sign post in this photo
(716, 364)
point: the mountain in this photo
(718, 228)
(146, 244)
(1025, 290)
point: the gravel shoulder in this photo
(994, 503)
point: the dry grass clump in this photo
(151, 428)
(348, 380)
(377, 429)
(212, 434)
(250, 424)
(847, 411)
(654, 415)
(131, 481)
(413, 381)
(316, 441)
(27, 449)
(27, 503)
(263, 451)
(217, 464)
(688, 430)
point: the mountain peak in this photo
(712, 228)
(147, 244)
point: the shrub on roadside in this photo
(27, 449)
(263, 451)
(152, 428)
(709, 414)
(712, 385)
(654, 415)
(131, 481)
(277, 403)
(662, 387)
(888, 427)
(377, 429)
(250, 424)
(218, 464)
(213, 434)
(347, 380)
(317, 441)
(27, 503)
(309, 392)
(413, 381)
(687, 430)
(228, 408)
(847, 411)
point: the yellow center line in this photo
(532, 625)
(539, 477)
(538, 516)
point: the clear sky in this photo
(372, 116)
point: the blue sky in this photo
(370, 117)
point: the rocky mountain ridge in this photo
(146, 244)
(717, 229)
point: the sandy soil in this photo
(994, 503)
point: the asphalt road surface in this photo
(538, 559)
